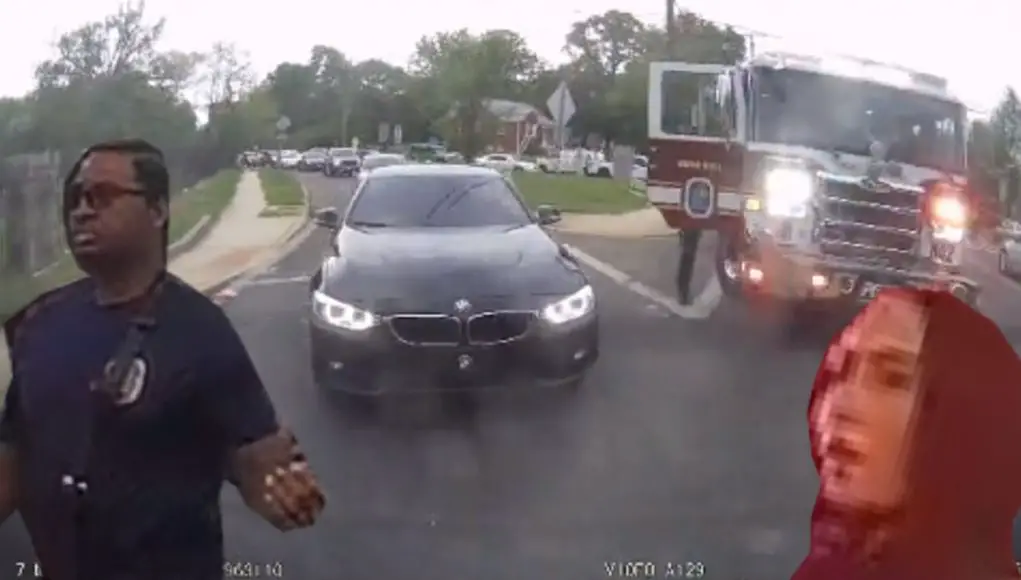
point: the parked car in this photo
(565, 161)
(342, 162)
(1010, 252)
(313, 160)
(288, 159)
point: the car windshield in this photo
(374, 161)
(437, 201)
(342, 152)
(845, 115)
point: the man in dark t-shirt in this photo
(133, 398)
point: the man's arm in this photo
(263, 458)
(10, 427)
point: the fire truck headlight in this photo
(788, 192)
(949, 218)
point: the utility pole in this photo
(671, 28)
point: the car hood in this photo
(428, 269)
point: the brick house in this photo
(520, 127)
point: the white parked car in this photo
(289, 159)
(600, 167)
(501, 162)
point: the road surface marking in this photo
(699, 309)
(304, 278)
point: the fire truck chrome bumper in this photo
(813, 276)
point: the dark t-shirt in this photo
(152, 456)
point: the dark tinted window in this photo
(437, 201)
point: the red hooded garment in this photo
(964, 476)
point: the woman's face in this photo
(866, 419)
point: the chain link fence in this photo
(31, 233)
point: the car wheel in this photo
(603, 172)
(1003, 264)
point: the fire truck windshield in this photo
(845, 115)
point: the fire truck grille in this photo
(862, 221)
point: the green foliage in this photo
(210, 197)
(330, 100)
(281, 188)
(576, 193)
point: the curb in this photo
(191, 238)
(613, 235)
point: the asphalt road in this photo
(687, 447)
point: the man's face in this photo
(107, 213)
(866, 421)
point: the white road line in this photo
(700, 308)
(274, 281)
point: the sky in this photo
(956, 41)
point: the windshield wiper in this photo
(367, 224)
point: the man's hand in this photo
(8, 481)
(275, 481)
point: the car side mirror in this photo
(327, 218)
(548, 214)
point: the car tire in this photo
(604, 173)
(1003, 264)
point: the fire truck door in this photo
(696, 135)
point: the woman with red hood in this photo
(914, 421)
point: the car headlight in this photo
(570, 308)
(342, 315)
(788, 192)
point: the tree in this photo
(611, 53)
(465, 70)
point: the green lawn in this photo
(281, 188)
(210, 197)
(576, 193)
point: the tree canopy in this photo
(112, 78)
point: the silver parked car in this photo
(1010, 251)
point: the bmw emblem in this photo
(462, 305)
(464, 362)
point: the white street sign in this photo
(283, 124)
(561, 105)
(398, 135)
(355, 142)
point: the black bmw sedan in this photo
(441, 278)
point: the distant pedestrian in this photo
(133, 399)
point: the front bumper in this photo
(374, 362)
(800, 275)
(342, 170)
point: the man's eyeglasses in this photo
(98, 196)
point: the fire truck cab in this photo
(826, 178)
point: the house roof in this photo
(513, 111)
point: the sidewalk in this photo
(238, 242)
(644, 223)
